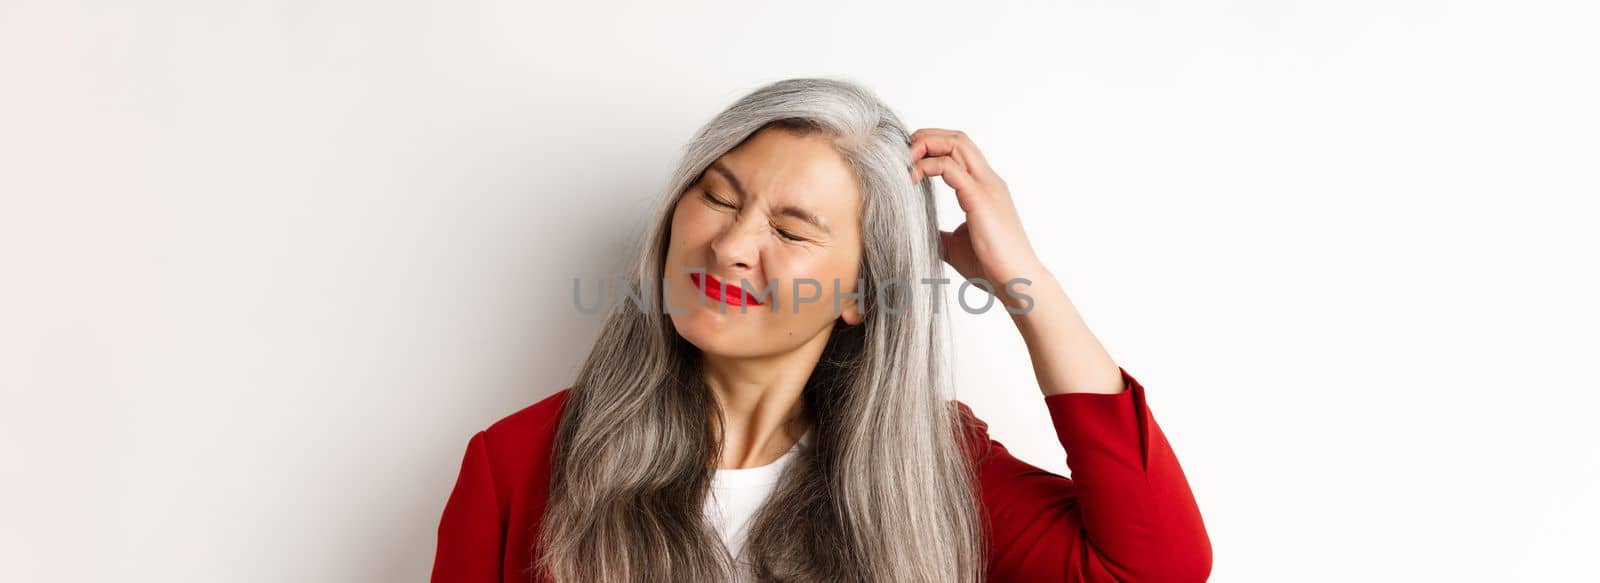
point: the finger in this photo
(979, 171)
(918, 143)
(957, 251)
(967, 189)
(928, 132)
(953, 143)
(956, 145)
(919, 146)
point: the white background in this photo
(268, 265)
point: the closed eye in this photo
(713, 200)
(709, 198)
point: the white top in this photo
(736, 494)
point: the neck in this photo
(760, 398)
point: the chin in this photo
(710, 343)
(711, 334)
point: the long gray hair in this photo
(884, 492)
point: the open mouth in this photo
(717, 290)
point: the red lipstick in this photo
(717, 290)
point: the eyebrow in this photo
(786, 210)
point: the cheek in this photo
(824, 271)
(690, 226)
(701, 221)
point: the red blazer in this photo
(1126, 514)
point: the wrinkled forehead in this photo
(803, 178)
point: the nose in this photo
(735, 250)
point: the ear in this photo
(850, 312)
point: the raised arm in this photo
(1126, 514)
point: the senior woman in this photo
(740, 426)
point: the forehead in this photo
(779, 167)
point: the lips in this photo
(717, 290)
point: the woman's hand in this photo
(990, 244)
(1067, 358)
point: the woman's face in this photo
(746, 217)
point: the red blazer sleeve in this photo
(473, 528)
(1126, 514)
